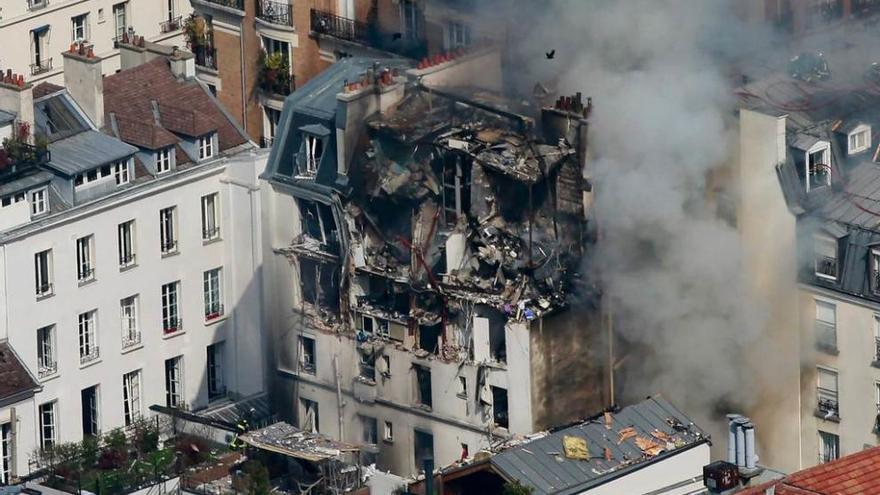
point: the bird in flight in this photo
(551, 54)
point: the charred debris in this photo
(456, 204)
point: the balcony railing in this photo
(47, 368)
(339, 27)
(126, 260)
(44, 289)
(329, 24)
(169, 246)
(130, 338)
(172, 325)
(211, 233)
(828, 407)
(18, 156)
(41, 66)
(85, 274)
(368, 371)
(91, 355)
(171, 25)
(826, 265)
(206, 56)
(826, 335)
(275, 12)
(308, 366)
(233, 4)
(213, 311)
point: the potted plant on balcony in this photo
(195, 31)
(275, 73)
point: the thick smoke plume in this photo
(670, 266)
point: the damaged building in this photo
(426, 239)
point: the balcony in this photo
(172, 325)
(274, 76)
(89, 356)
(826, 336)
(171, 25)
(826, 266)
(206, 56)
(47, 368)
(17, 156)
(41, 66)
(307, 365)
(130, 338)
(213, 311)
(275, 12)
(232, 4)
(828, 407)
(328, 24)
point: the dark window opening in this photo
(309, 416)
(318, 223)
(429, 337)
(456, 188)
(423, 447)
(89, 398)
(320, 285)
(497, 339)
(499, 407)
(307, 354)
(367, 367)
(423, 385)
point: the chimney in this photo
(183, 63)
(731, 437)
(84, 81)
(17, 97)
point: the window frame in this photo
(85, 255)
(174, 381)
(810, 170)
(7, 453)
(206, 147)
(216, 371)
(825, 449)
(125, 244)
(168, 241)
(87, 333)
(831, 242)
(48, 429)
(115, 10)
(122, 172)
(170, 305)
(43, 273)
(853, 146)
(131, 397)
(212, 293)
(163, 160)
(832, 395)
(47, 361)
(210, 216)
(84, 27)
(39, 206)
(129, 322)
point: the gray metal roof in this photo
(25, 182)
(6, 117)
(542, 465)
(87, 150)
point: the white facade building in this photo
(43, 29)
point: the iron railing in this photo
(877, 348)
(130, 338)
(85, 274)
(44, 289)
(171, 25)
(275, 12)
(47, 368)
(91, 355)
(213, 311)
(127, 259)
(339, 27)
(18, 156)
(308, 365)
(172, 325)
(41, 66)
(211, 233)
(206, 56)
(828, 405)
(266, 142)
(233, 4)
(826, 265)
(169, 246)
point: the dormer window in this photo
(314, 151)
(859, 139)
(163, 160)
(206, 147)
(818, 166)
(122, 172)
(39, 202)
(825, 257)
(874, 273)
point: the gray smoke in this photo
(661, 128)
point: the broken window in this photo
(499, 407)
(456, 188)
(370, 430)
(423, 447)
(827, 393)
(314, 151)
(497, 340)
(367, 368)
(429, 337)
(307, 354)
(825, 252)
(818, 166)
(308, 415)
(319, 284)
(423, 385)
(318, 223)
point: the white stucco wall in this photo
(680, 474)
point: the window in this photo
(270, 125)
(47, 364)
(409, 19)
(423, 448)
(163, 160)
(37, 4)
(497, 340)
(125, 243)
(216, 381)
(43, 272)
(314, 152)
(309, 415)
(385, 366)
(877, 338)
(456, 189)
(88, 340)
(6, 454)
(213, 298)
(826, 325)
(131, 334)
(39, 203)
(827, 394)
(85, 269)
(39, 49)
(119, 18)
(121, 171)
(859, 139)
(171, 321)
(458, 35)
(169, 10)
(80, 27)
(210, 226)
(370, 430)
(206, 147)
(131, 396)
(462, 386)
(829, 447)
(174, 382)
(368, 366)
(47, 425)
(307, 355)
(318, 222)
(818, 166)
(825, 252)
(423, 385)
(389, 432)
(877, 403)
(90, 409)
(168, 229)
(499, 407)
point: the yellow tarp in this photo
(575, 448)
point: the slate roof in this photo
(6, 117)
(542, 465)
(855, 474)
(14, 376)
(87, 150)
(142, 134)
(184, 107)
(45, 89)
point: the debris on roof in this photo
(283, 438)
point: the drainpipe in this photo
(244, 116)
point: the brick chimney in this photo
(85, 81)
(17, 97)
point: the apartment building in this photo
(799, 17)
(253, 53)
(130, 254)
(43, 29)
(419, 300)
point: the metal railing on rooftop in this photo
(339, 27)
(18, 156)
(171, 25)
(234, 4)
(41, 66)
(275, 12)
